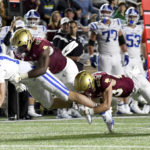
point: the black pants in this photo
(12, 102)
(79, 65)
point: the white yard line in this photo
(74, 146)
(42, 120)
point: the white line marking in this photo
(73, 146)
(40, 120)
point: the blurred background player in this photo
(134, 36)
(32, 21)
(107, 32)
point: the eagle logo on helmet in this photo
(84, 82)
(22, 37)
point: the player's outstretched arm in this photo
(107, 97)
(81, 99)
(42, 66)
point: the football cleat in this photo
(107, 117)
(74, 113)
(62, 113)
(135, 108)
(89, 119)
(33, 113)
(123, 109)
(146, 109)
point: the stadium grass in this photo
(130, 133)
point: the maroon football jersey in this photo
(123, 87)
(57, 60)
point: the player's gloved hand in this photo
(93, 61)
(85, 110)
(93, 26)
(20, 87)
(147, 75)
(125, 59)
(18, 77)
(145, 65)
(15, 78)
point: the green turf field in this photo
(131, 133)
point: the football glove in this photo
(125, 59)
(145, 65)
(15, 78)
(18, 77)
(20, 87)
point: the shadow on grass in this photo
(77, 137)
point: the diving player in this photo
(104, 85)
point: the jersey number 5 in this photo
(133, 40)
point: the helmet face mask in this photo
(84, 83)
(132, 16)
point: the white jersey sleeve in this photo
(8, 66)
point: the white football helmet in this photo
(105, 12)
(32, 18)
(132, 12)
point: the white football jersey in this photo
(133, 37)
(39, 32)
(8, 67)
(107, 37)
(40, 87)
(3, 32)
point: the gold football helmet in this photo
(84, 81)
(22, 37)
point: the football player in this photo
(47, 56)
(32, 21)
(104, 85)
(107, 32)
(3, 32)
(134, 36)
(42, 86)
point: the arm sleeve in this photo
(7, 39)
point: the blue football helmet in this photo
(32, 18)
(105, 12)
(132, 12)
